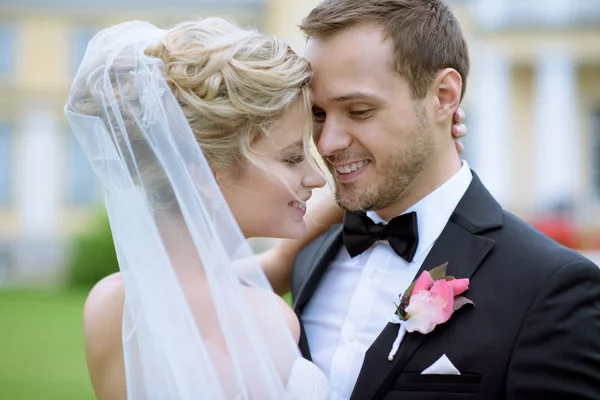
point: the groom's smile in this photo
(349, 171)
(374, 134)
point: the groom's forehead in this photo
(359, 49)
(355, 38)
(343, 77)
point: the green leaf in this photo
(460, 301)
(439, 272)
(400, 312)
(406, 296)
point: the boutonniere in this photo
(429, 301)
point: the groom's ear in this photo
(448, 89)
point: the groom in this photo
(389, 75)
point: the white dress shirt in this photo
(355, 298)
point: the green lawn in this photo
(288, 298)
(41, 346)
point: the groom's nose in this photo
(332, 138)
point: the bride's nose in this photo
(313, 179)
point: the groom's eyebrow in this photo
(356, 96)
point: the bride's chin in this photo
(294, 231)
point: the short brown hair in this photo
(426, 36)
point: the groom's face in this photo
(373, 136)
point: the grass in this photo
(288, 298)
(41, 346)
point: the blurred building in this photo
(47, 189)
(534, 110)
(533, 105)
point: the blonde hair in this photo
(231, 84)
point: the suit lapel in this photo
(317, 265)
(460, 246)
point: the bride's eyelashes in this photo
(297, 159)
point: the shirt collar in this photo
(434, 210)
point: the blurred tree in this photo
(93, 254)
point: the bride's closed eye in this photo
(293, 160)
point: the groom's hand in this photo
(459, 129)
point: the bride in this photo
(199, 135)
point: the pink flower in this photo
(459, 285)
(423, 282)
(433, 302)
(442, 289)
(430, 301)
(424, 312)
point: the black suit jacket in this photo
(534, 332)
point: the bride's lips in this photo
(299, 206)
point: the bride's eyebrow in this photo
(296, 145)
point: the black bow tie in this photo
(360, 232)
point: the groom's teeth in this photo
(346, 169)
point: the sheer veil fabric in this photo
(201, 321)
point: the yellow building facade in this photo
(533, 105)
(47, 190)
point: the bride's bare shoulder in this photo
(104, 304)
(291, 319)
(102, 324)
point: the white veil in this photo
(198, 323)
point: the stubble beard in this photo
(394, 174)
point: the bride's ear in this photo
(222, 177)
(219, 176)
(196, 173)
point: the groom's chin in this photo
(348, 199)
(350, 205)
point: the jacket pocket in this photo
(465, 383)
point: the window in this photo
(7, 49)
(595, 154)
(80, 40)
(469, 152)
(6, 171)
(82, 185)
